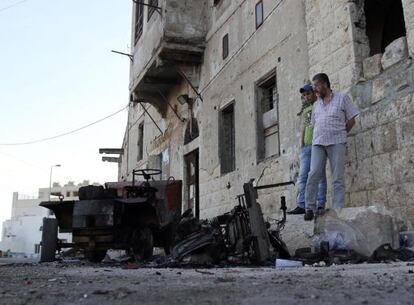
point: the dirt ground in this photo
(81, 283)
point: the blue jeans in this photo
(336, 155)
(304, 168)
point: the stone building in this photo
(214, 95)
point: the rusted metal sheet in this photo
(257, 224)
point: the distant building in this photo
(22, 233)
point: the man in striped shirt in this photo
(333, 117)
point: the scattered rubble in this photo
(242, 237)
(362, 229)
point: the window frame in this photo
(139, 21)
(140, 142)
(225, 46)
(262, 133)
(231, 148)
(259, 24)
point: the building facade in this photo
(214, 96)
(22, 233)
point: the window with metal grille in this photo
(259, 14)
(151, 8)
(227, 140)
(225, 46)
(139, 20)
(268, 117)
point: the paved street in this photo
(81, 283)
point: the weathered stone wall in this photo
(379, 149)
(253, 53)
(278, 44)
(146, 47)
(298, 39)
(169, 142)
(183, 22)
(331, 41)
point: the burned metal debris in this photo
(240, 236)
(132, 216)
(138, 216)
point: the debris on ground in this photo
(362, 229)
(286, 263)
(242, 237)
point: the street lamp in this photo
(50, 179)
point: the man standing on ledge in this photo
(309, 98)
(333, 117)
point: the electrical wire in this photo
(65, 133)
(12, 5)
(25, 162)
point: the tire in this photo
(91, 192)
(49, 240)
(95, 256)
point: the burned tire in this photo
(95, 256)
(49, 240)
(142, 244)
(91, 192)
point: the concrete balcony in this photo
(171, 42)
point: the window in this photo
(75, 194)
(37, 248)
(225, 46)
(140, 142)
(216, 2)
(67, 194)
(268, 117)
(384, 23)
(152, 9)
(227, 140)
(139, 20)
(259, 14)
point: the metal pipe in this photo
(131, 57)
(172, 108)
(157, 8)
(152, 119)
(268, 186)
(50, 179)
(189, 82)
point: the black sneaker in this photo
(320, 211)
(297, 211)
(308, 215)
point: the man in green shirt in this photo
(309, 97)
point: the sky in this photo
(57, 74)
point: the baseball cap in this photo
(306, 87)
